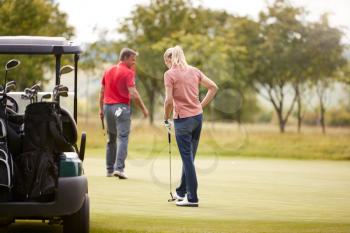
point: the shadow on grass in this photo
(31, 227)
(142, 225)
(38, 227)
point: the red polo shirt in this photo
(116, 81)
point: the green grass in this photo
(219, 139)
(306, 190)
(236, 195)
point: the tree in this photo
(33, 18)
(272, 56)
(146, 26)
(241, 34)
(153, 28)
(327, 59)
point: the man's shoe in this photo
(120, 174)
(186, 203)
(109, 174)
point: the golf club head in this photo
(60, 93)
(59, 87)
(36, 87)
(28, 91)
(11, 64)
(172, 198)
(46, 96)
(25, 97)
(10, 87)
(66, 69)
(13, 82)
(63, 93)
(62, 88)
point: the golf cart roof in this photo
(37, 45)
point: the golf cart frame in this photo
(71, 203)
(34, 45)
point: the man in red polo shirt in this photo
(118, 86)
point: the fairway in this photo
(236, 195)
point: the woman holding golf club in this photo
(182, 97)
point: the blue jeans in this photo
(118, 127)
(187, 132)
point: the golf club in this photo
(11, 105)
(35, 88)
(59, 87)
(10, 86)
(58, 91)
(103, 126)
(27, 94)
(64, 70)
(172, 198)
(11, 64)
(63, 93)
(25, 97)
(46, 96)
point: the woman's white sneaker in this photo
(186, 203)
(177, 197)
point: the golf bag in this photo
(36, 168)
(15, 133)
(6, 162)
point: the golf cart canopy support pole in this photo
(76, 59)
(58, 67)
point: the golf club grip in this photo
(169, 138)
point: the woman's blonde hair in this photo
(177, 56)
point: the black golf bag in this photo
(36, 168)
(6, 162)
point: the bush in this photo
(338, 117)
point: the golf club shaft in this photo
(169, 140)
(103, 123)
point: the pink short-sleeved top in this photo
(185, 85)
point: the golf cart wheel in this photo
(78, 222)
(5, 221)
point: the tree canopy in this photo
(276, 56)
(32, 18)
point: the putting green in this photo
(236, 195)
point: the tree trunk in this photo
(322, 117)
(281, 122)
(239, 111)
(321, 93)
(151, 107)
(279, 106)
(299, 107)
(239, 117)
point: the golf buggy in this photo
(41, 170)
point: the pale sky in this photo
(85, 15)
